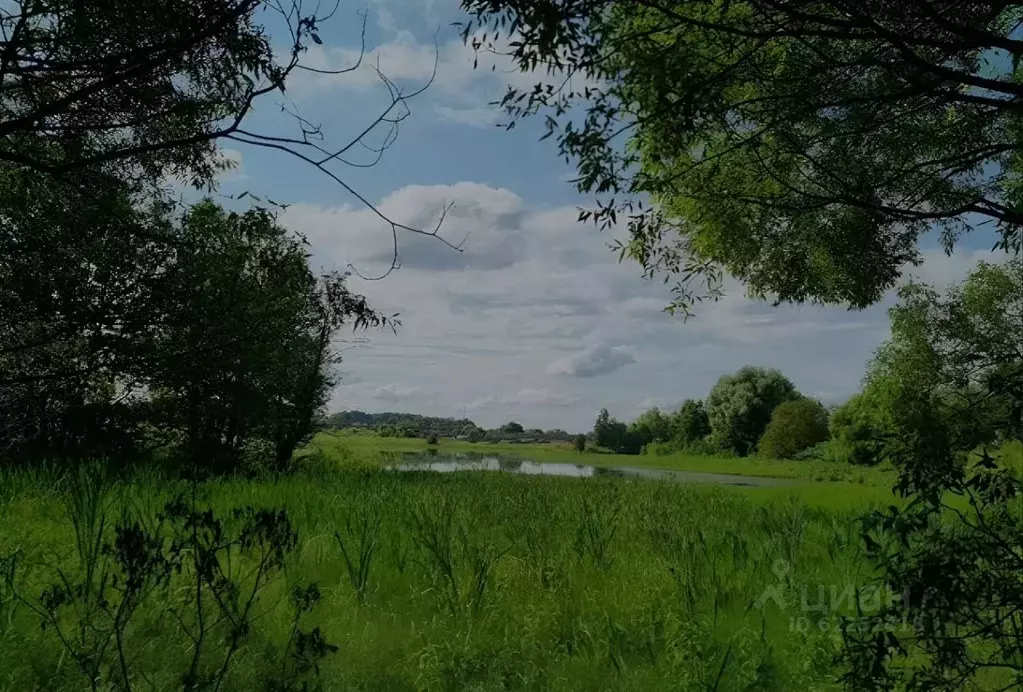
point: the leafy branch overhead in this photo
(802, 147)
(147, 90)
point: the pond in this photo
(447, 463)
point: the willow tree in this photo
(803, 147)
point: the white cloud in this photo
(524, 397)
(393, 393)
(488, 329)
(482, 402)
(474, 116)
(540, 396)
(462, 81)
(486, 221)
(595, 361)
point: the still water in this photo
(448, 463)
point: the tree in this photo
(953, 377)
(963, 350)
(476, 434)
(652, 426)
(861, 427)
(150, 86)
(735, 120)
(579, 443)
(146, 91)
(795, 426)
(246, 350)
(740, 405)
(608, 432)
(79, 269)
(512, 428)
(690, 423)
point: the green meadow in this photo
(458, 581)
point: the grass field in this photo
(486, 582)
(465, 581)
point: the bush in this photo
(702, 447)
(431, 439)
(794, 427)
(257, 456)
(580, 443)
(860, 427)
(632, 442)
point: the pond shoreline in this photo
(449, 463)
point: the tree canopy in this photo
(963, 351)
(149, 91)
(795, 426)
(740, 405)
(209, 323)
(690, 423)
(802, 147)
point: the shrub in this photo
(632, 442)
(860, 427)
(431, 439)
(702, 447)
(580, 443)
(794, 426)
(257, 456)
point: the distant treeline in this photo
(405, 424)
(391, 424)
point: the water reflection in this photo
(431, 461)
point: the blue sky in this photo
(535, 321)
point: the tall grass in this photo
(478, 581)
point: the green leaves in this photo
(804, 149)
(740, 406)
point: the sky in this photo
(535, 320)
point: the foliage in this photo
(951, 558)
(431, 439)
(421, 425)
(609, 432)
(579, 443)
(740, 405)
(512, 428)
(736, 119)
(652, 426)
(952, 551)
(186, 564)
(861, 427)
(220, 331)
(101, 104)
(690, 424)
(794, 427)
(964, 349)
(147, 91)
(77, 286)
